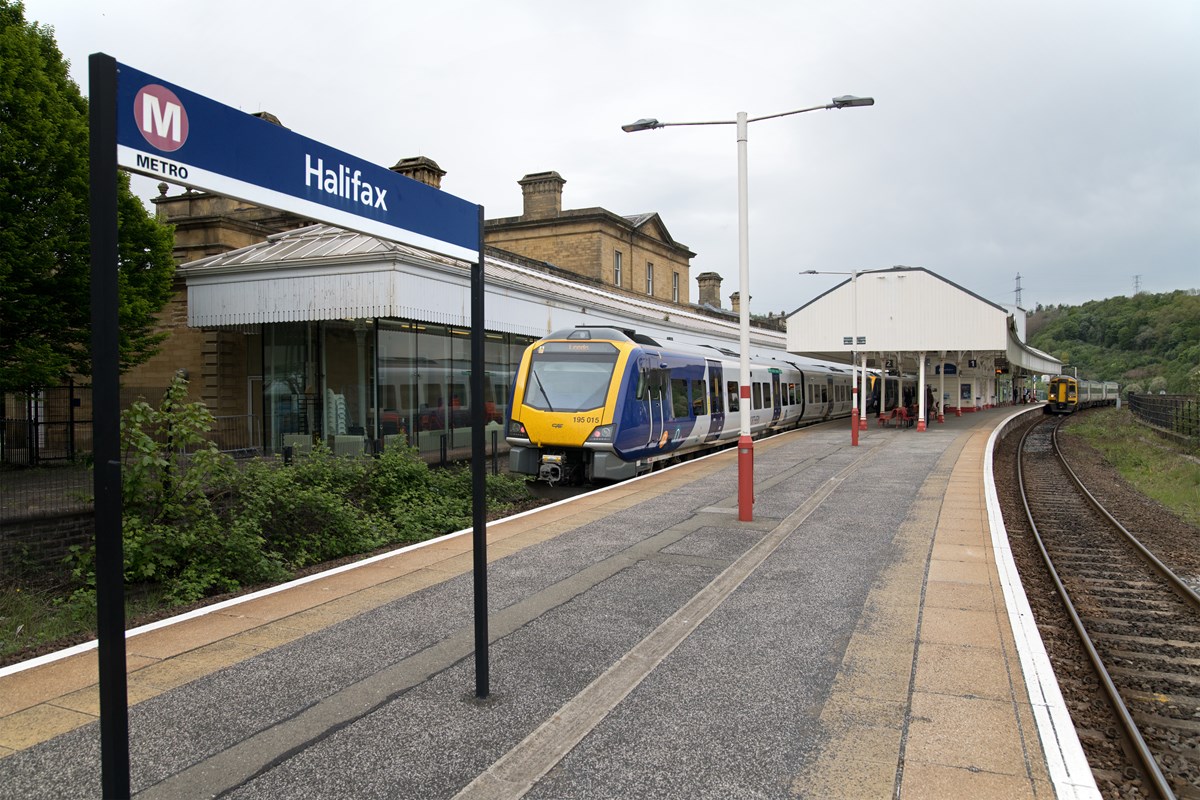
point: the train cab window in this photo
(680, 407)
(652, 384)
(698, 395)
(734, 396)
(570, 376)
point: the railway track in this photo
(1139, 623)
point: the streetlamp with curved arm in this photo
(745, 443)
(861, 378)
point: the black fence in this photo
(46, 446)
(1177, 415)
(53, 426)
(46, 426)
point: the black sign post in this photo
(479, 474)
(106, 436)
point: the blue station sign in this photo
(165, 131)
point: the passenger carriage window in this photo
(698, 394)
(679, 397)
(734, 395)
(756, 392)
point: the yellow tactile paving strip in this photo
(931, 671)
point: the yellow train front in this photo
(563, 409)
(1062, 395)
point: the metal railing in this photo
(48, 425)
(1177, 415)
(45, 452)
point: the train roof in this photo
(758, 358)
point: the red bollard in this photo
(745, 478)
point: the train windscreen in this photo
(570, 376)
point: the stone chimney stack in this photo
(421, 168)
(710, 289)
(543, 195)
(735, 302)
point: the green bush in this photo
(171, 533)
(195, 525)
(305, 514)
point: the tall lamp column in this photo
(745, 441)
(859, 372)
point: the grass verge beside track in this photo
(1157, 467)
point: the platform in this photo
(861, 638)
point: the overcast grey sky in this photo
(1054, 139)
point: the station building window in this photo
(649, 278)
(374, 379)
(617, 255)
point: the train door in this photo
(827, 397)
(652, 394)
(776, 398)
(716, 404)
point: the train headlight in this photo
(517, 429)
(604, 433)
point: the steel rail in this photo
(1162, 569)
(1149, 764)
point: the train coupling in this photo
(552, 469)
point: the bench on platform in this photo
(900, 415)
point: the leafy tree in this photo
(45, 294)
(1126, 339)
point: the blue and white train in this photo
(602, 404)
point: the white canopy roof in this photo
(904, 312)
(326, 273)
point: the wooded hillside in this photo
(1152, 340)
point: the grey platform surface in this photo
(649, 646)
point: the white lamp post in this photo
(745, 443)
(859, 397)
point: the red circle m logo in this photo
(160, 117)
